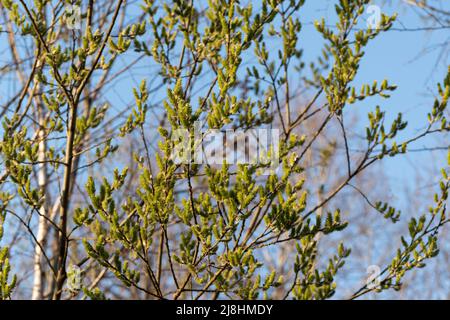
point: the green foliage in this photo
(422, 243)
(6, 285)
(212, 225)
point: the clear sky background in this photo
(412, 60)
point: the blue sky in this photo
(399, 57)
